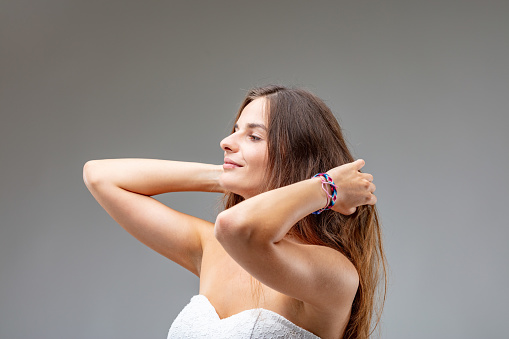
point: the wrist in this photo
(213, 178)
(329, 189)
(322, 197)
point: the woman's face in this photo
(245, 152)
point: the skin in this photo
(246, 147)
(312, 286)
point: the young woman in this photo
(293, 254)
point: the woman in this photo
(292, 254)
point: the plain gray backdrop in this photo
(421, 89)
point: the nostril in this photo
(226, 144)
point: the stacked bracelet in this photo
(331, 198)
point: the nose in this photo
(229, 143)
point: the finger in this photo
(372, 187)
(367, 176)
(371, 199)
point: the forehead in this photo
(254, 112)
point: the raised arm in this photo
(253, 233)
(123, 187)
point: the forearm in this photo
(270, 215)
(153, 176)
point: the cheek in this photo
(262, 165)
(261, 158)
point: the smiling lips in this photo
(228, 163)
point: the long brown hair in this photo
(304, 138)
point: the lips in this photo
(229, 163)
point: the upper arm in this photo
(317, 275)
(173, 234)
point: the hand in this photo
(354, 188)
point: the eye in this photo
(254, 137)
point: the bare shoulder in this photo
(335, 285)
(335, 271)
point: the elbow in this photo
(236, 228)
(230, 227)
(91, 173)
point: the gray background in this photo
(420, 87)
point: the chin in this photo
(235, 190)
(231, 184)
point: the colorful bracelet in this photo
(331, 198)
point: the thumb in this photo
(350, 211)
(359, 163)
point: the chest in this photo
(231, 289)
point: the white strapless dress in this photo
(199, 319)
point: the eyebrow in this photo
(253, 125)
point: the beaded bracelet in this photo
(331, 198)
